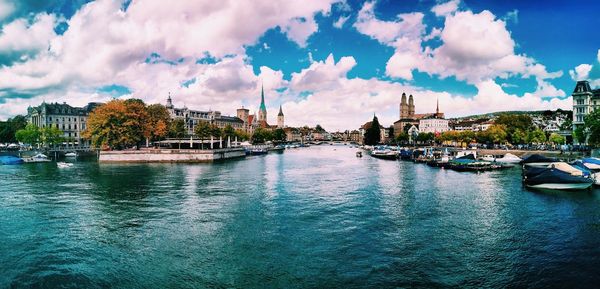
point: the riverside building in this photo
(409, 118)
(192, 118)
(585, 100)
(70, 120)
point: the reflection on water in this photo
(316, 217)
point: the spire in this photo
(262, 98)
(280, 111)
(437, 107)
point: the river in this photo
(314, 217)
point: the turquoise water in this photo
(308, 218)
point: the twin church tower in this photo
(407, 110)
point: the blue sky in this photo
(325, 61)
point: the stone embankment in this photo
(169, 155)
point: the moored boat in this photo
(384, 153)
(71, 155)
(10, 160)
(38, 158)
(536, 160)
(556, 179)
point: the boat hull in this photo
(559, 186)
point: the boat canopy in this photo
(535, 158)
(562, 166)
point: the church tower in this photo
(403, 107)
(280, 118)
(411, 107)
(262, 112)
(169, 102)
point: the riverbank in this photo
(169, 155)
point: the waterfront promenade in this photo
(315, 217)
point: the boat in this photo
(384, 153)
(38, 158)
(255, 152)
(536, 160)
(10, 160)
(63, 165)
(359, 154)
(556, 179)
(71, 155)
(508, 159)
(592, 164)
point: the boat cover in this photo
(510, 156)
(10, 160)
(535, 158)
(562, 166)
(554, 176)
(578, 164)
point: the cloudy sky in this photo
(331, 62)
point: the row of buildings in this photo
(72, 121)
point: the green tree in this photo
(29, 135)
(9, 128)
(228, 131)
(215, 131)
(536, 136)
(261, 135)
(592, 127)
(373, 133)
(279, 135)
(177, 128)
(203, 131)
(319, 128)
(51, 136)
(426, 137)
(494, 134)
(519, 137)
(557, 139)
(513, 122)
(579, 134)
(402, 138)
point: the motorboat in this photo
(38, 158)
(556, 179)
(10, 160)
(63, 165)
(536, 160)
(592, 164)
(384, 153)
(508, 159)
(257, 151)
(71, 155)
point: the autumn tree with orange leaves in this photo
(120, 124)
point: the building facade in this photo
(192, 118)
(72, 121)
(435, 123)
(585, 100)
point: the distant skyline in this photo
(327, 62)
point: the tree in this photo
(261, 135)
(203, 131)
(51, 136)
(177, 128)
(228, 131)
(536, 136)
(215, 131)
(279, 135)
(592, 127)
(157, 123)
(494, 134)
(557, 139)
(29, 135)
(579, 134)
(319, 128)
(518, 137)
(117, 124)
(373, 133)
(426, 137)
(9, 128)
(402, 138)
(513, 122)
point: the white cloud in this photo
(598, 56)
(581, 72)
(299, 29)
(341, 21)
(445, 9)
(322, 75)
(409, 25)
(27, 39)
(512, 16)
(6, 9)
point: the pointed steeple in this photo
(280, 111)
(437, 107)
(262, 98)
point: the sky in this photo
(328, 62)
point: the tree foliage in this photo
(158, 122)
(177, 128)
(592, 127)
(119, 124)
(29, 135)
(261, 135)
(373, 133)
(9, 128)
(557, 139)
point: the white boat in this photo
(489, 158)
(39, 158)
(63, 165)
(71, 155)
(509, 159)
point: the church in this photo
(251, 122)
(409, 118)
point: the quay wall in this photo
(170, 156)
